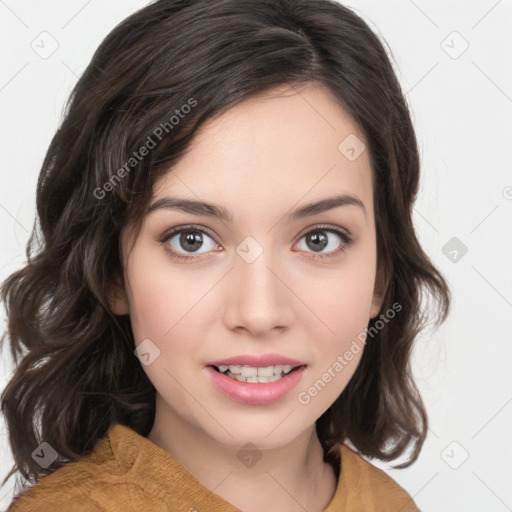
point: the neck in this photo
(290, 477)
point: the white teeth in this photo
(252, 371)
(270, 371)
(254, 380)
(249, 372)
(253, 374)
(264, 374)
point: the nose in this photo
(258, 296)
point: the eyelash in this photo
(347, 240)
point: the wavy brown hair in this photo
(76, 373)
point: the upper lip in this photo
(257, 360)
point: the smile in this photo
(247, 385)
(244, 373)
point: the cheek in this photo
(348, 308)
(162, 298)
(338, 351)
(341, 305)
(341, 298)
(344, 311)
(151, 308)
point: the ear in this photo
(379, 291)
(117, 299)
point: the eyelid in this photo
(347, 239)
(183, 227)
(178, 256)
(345, 235)
(165, 236)
(327, 227)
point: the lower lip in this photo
(254, 392)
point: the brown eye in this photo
(187, 240)
(320, 238)
(317, 240)
(190, 240)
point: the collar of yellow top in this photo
(360, 483)
(139, 456)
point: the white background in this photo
(462, 109)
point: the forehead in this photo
(285, 148)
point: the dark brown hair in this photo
(76, 371)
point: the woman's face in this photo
(263, 280)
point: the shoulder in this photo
(40, 497)
(369, 488)
(93, 483)
(71, 487)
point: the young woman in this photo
(220, 312)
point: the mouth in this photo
(252, 374)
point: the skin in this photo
(259, 160)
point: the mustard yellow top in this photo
(127, 472)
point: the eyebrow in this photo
(219, 212)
